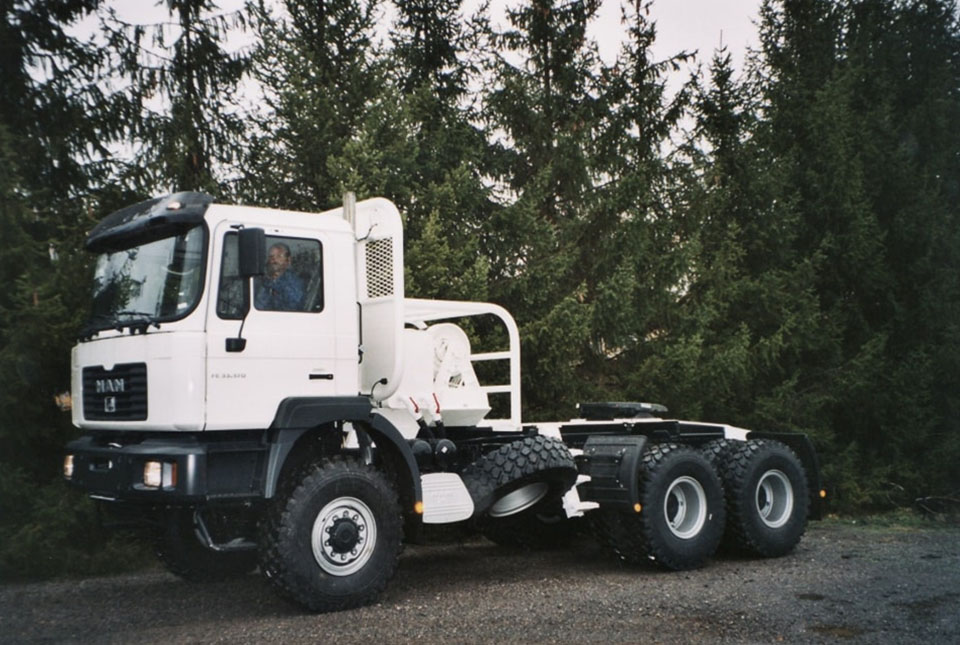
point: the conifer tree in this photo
(53, 119)
(845, 90)
(326, 122)
(634, 247)
(449, 202)
(547, 111)
(185, 121)
(903, 65)
(749, 313)
(55, 124)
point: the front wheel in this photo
(682, 514)
(333, 542)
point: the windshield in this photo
(148, 284)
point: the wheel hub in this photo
(685, 507)
(520, 499)
(774, 498)
(344, 536)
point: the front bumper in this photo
(206, 471)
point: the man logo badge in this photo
(110, 385)
(110, 404)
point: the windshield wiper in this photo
(141, 321)
(94, 326)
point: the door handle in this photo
(321, 376)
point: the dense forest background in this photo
(776, 247)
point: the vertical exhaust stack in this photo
(350, 209)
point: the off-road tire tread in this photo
(734, 463)
(533, 458)
(277, 525)
(635, 538)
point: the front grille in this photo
(119, 394)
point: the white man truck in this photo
(302, 415)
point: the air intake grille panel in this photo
(379, 259)
(119, 394)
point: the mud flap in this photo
(612, 462)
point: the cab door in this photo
(293, 346)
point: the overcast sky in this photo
(681, 24)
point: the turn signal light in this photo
(637, 507)
(823, 494)
(418, 508)
(68, 466)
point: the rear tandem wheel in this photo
(682, 517)
(767, 498)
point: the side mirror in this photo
(253, 252)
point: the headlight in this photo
(153, 474)
(159, 474)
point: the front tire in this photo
(682, 518)
(334, 541)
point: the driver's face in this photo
(277, 261)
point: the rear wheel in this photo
(333, 542)
(682, 517)
(767, 497)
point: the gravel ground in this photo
(843, 584)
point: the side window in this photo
(231, 296)
(293, 280)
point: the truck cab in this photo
(179, 340)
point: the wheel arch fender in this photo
(300, 417)
(389, 439)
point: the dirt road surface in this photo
(844, 583)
